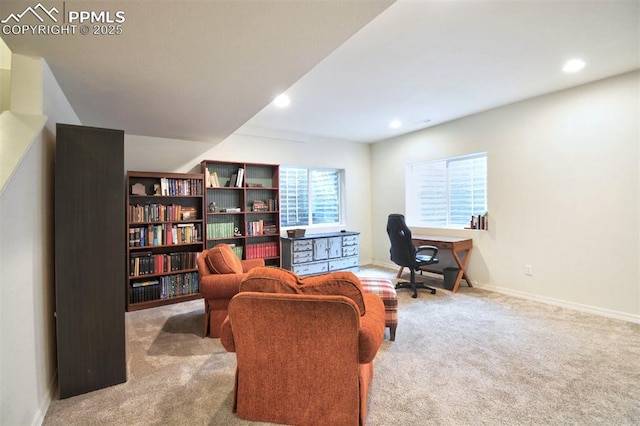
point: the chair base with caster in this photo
(414, 285)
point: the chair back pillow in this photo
(221, 259)
(276, 280)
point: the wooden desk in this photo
(453, 244)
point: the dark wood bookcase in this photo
(165, 225)
(89, 258)
(243, 211)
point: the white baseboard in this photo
(623, 316)
(38, 418)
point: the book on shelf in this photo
(179, 285)
(145, 283)
(145, 263)
(240, 177)
(165, 234)
(220, 230)
(144, 291)
(180, 187)
(232, 180)
(165, 287)
(259, 206)
(479, 222)
(262, 250)
(188, 213)
(255, 227)
(270, 229)
(211, 179)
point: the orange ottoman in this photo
(384, 288)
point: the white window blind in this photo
(309, 196)
(446, 192)
(325, 196)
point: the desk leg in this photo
(400, 272)
(463, 269)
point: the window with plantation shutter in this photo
(309, 196)
(448, 192)
(294, 196)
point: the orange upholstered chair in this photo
(304, 347)
(221, 272)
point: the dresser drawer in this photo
(311, 268)
(302, 256)
(302, 245)
(336, 265)
(350, 240)
(350, 251)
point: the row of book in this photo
(165, 234)
(145, 263)
(262, 250)
(479, 222)
(160, 213)
(220, 230)
(180, 187)
(213, 180)
(270, 205)
(164, 287)
(259, 227)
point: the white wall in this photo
(563, 194)
(153, 154)
(27, 325)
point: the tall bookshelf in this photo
(165, 225)
(242, 208)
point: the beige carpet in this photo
(471, 358)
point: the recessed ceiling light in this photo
(395, 124)
(574, 65)
(282, 101)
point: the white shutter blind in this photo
(309, 197)
(446, 192)
(467, 188)
(325, 196)
(294, 196)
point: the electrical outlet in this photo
(528, 269)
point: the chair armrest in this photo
(226, 336)
(432, 249)
(203, 269)
(371, 328)
(249, 264)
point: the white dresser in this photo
(321, 253)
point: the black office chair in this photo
(404, 253)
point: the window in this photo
(310, 196)
(446, 192)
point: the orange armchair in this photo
(221, 272)
(304, 347)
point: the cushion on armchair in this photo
(277, 280)
(221, 259)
